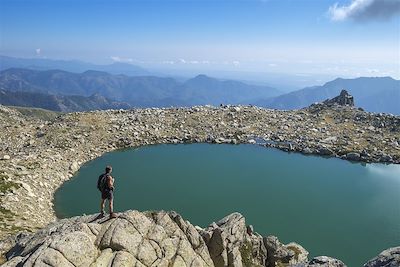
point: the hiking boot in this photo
(113, 215)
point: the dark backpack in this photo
(102, 182)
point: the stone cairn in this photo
(344, 99)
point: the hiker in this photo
(105, 184)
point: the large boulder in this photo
(344, 99)
(231, 243)
(324, 261)
(387, 258)
(132, 239)
(284, 255)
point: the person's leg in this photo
(111, 204)
(111, 208)
(102, 206)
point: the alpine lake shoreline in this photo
(37, 156)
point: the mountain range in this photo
(138, 91)
(70, 65)
(75, 86)
(374, 94)
(59, 102)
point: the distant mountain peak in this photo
(95, 73)
(202, 77)
(122, 64)
(74, 66)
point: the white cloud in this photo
(362, 10)
(119, 59)
(38, 51)
(272, 65)
(373, 71)
(194, 62)
(236, 63)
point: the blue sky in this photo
(338, 37)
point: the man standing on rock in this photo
(105, 184)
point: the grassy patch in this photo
(247, 255)
(38, 113)
(2, 259)
(245, 252)
(296, 251)
(5, 213)
(281, 264)
(6, 186)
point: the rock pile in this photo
(344, 99)
(387, 258)
(163, 239)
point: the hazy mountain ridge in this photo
(379, 94)
(140, 91)
(70, 65)
(374, 94)
(59, 102)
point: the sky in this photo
(337, 37)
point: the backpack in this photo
(102, 182)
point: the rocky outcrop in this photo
(161, 239)
(387, 258)
(152, 239)
(324, 261)
(133, 239)
(279, 253)
(344, 99)
(231, 243)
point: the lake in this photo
(350, 211)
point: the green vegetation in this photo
(245, 252)
(5, 185)
(5, 213)
(296, 251)
(247, 256)
(38, 113)
(281, 264)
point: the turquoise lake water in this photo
(331, 207)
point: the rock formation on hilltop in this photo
(374, 94)
(344, 99)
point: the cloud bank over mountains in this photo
(365, 10)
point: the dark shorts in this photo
(107, 194)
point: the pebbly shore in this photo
(37, 156)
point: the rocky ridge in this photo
(163, 239)
(37, 156)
